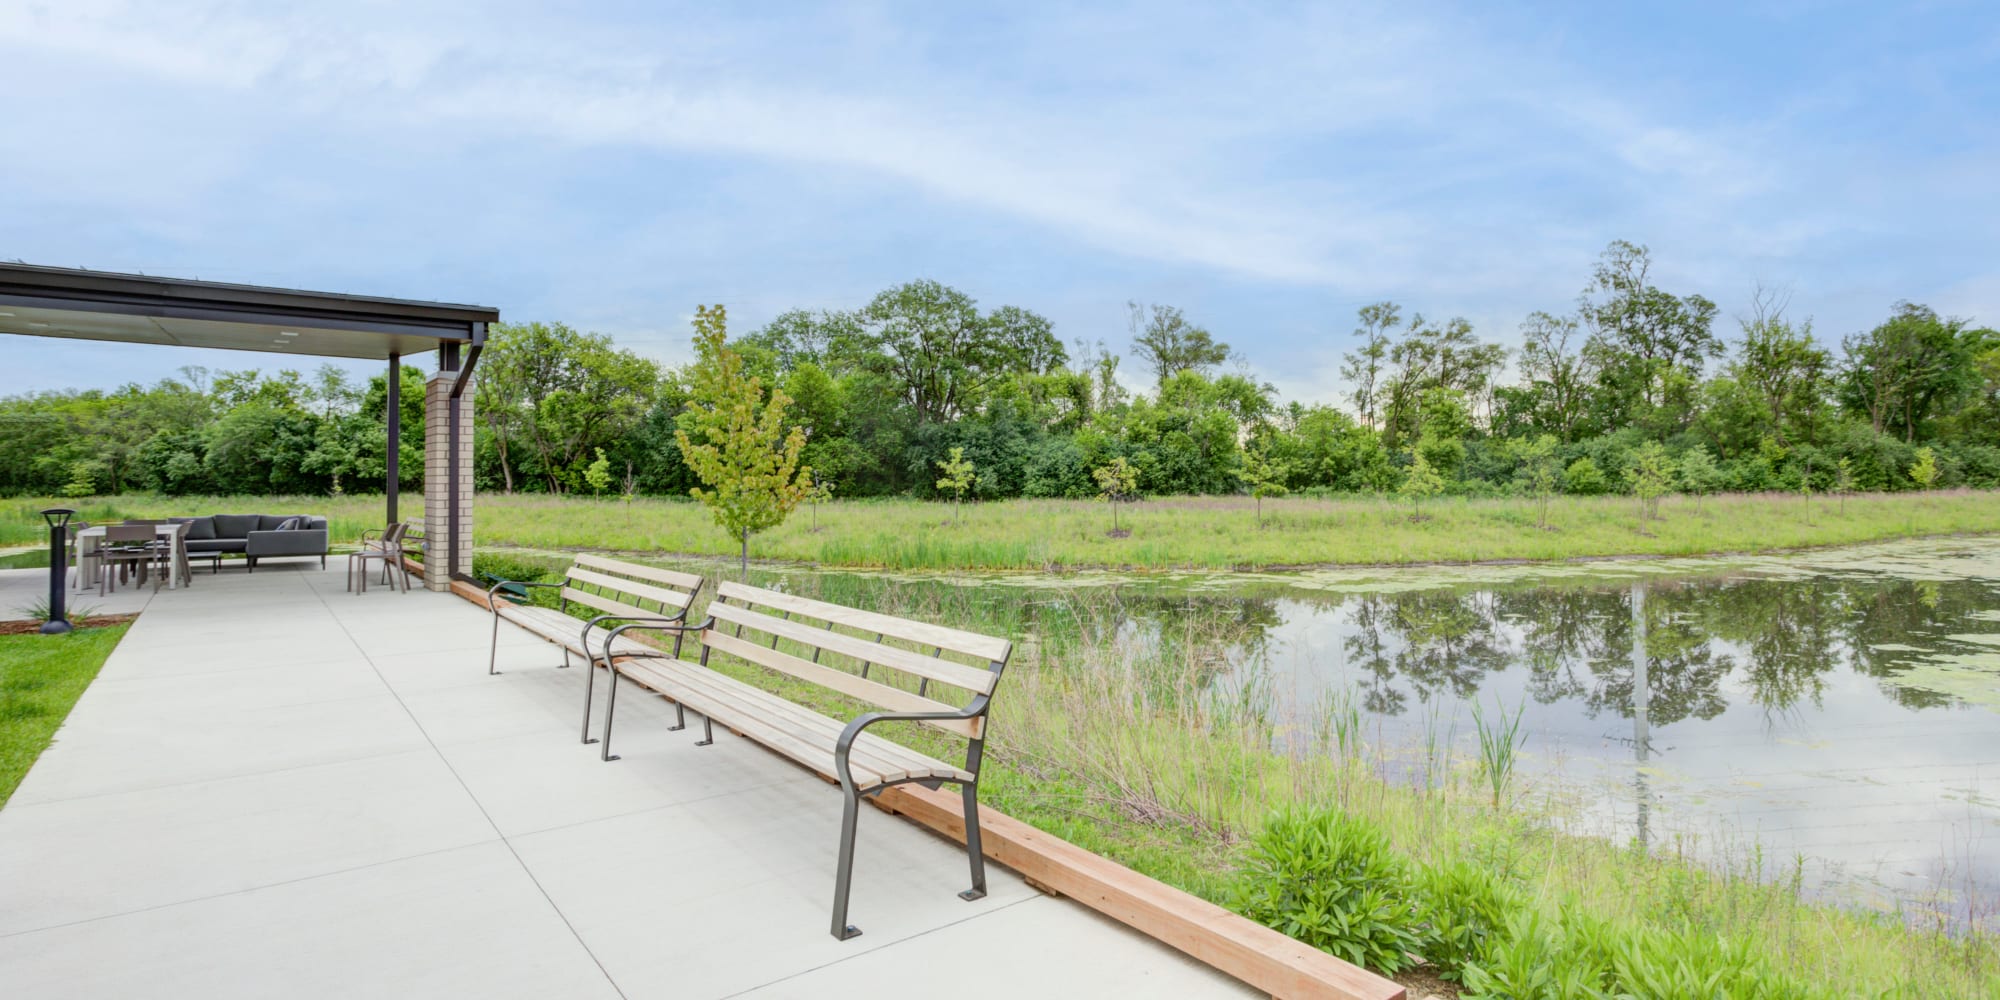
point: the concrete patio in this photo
(276, 788)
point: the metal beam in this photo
(395, 418)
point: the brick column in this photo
(437, 499)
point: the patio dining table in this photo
(174, 535)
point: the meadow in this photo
(1165, 533)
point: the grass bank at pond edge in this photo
(41, 677)
(1141, 751)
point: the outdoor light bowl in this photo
(58, 517)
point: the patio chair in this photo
(389, 542)
(128, 548)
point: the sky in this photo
(1267, 168)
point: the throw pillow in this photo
(291, 524)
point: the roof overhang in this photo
(177, 312)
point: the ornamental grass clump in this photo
(1332, 881)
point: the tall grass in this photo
(1499, 745)
(1189, 532)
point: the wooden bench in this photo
(882, 671)
(628, 595)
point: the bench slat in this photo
(567, 632)
(797, 732)
(985, 647)
(609, 606)
(935, 668)
(672, 578)
(631, 588)
(875, 693)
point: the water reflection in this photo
(1729, 706)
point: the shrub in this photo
(1463, 906)
(1583, 478)
(1534, 960)
(1331, 881)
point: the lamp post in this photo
(58, 518)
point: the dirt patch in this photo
(1120, 533)
(95, 621)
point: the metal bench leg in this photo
(590, 682)
(707, 732)
(492, 652)
(680, 718)
(565, 665)
(610, 709)
(844, 876)
(973, 853)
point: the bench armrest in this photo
(658, 619)
(842, 747)
(490, 591)
(675, 624)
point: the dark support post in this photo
(448, 361)
(58, 518)
(395, 418)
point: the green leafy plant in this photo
(1499, 745)
(597, 475)
(1542, 472)
(1924, 471)
(1421, 482)
(1463, 905)
(1117, 482)
(1264, 476)
(1332, 881)
(735, 440)
(1843, 481)
(1533, 959)
(1699, 474)
(958, 477)
(1650, 475)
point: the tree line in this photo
(1630, 387)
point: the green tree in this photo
(1648, 346)
(1784, 367)
(1117, 482)
(943, 357)
(958, 477)
(1924, 471)
(1264, 476)
(1170, 345)
(1650, 476)
(1843, 481)
(820, 492)
(1559, 372)
(1700, 475)
(736, 440)
(598, 474)
(1420, 483)
(1905, 371)
(1542, 471)
(1363, 367)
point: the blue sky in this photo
(1267, 168)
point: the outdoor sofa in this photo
(255, 536)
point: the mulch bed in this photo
(95, 621)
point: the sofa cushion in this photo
(236, 525)
(200, 529)
(216, 545)
(272, 522)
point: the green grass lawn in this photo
(41, 677)
(1166, 533)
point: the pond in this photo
(1830, 716)
(1826, 716)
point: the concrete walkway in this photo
(276, 788)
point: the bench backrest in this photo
(819, 647)
(622, 588)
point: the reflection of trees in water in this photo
(1780, 636)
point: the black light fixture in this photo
(58, 518)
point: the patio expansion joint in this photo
(246, 890)
(880, 945)
(499, 834)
